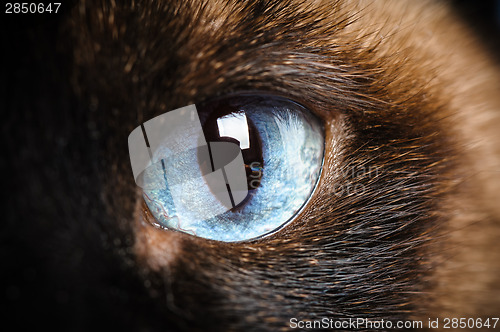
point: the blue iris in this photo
(281, 145)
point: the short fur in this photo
(404, 91)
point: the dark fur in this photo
(365, 255)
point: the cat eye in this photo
(232, 169)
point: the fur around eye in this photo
(369, 194)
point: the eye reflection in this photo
(235, 125)
(232, 169)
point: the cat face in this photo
(407, 105)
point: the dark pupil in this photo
(227, 124)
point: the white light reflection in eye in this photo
(235, 125)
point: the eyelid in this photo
(302, 100)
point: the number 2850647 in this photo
(31, 8)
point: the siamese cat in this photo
(402, 90)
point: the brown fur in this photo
(403, 89)
(403, 64)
